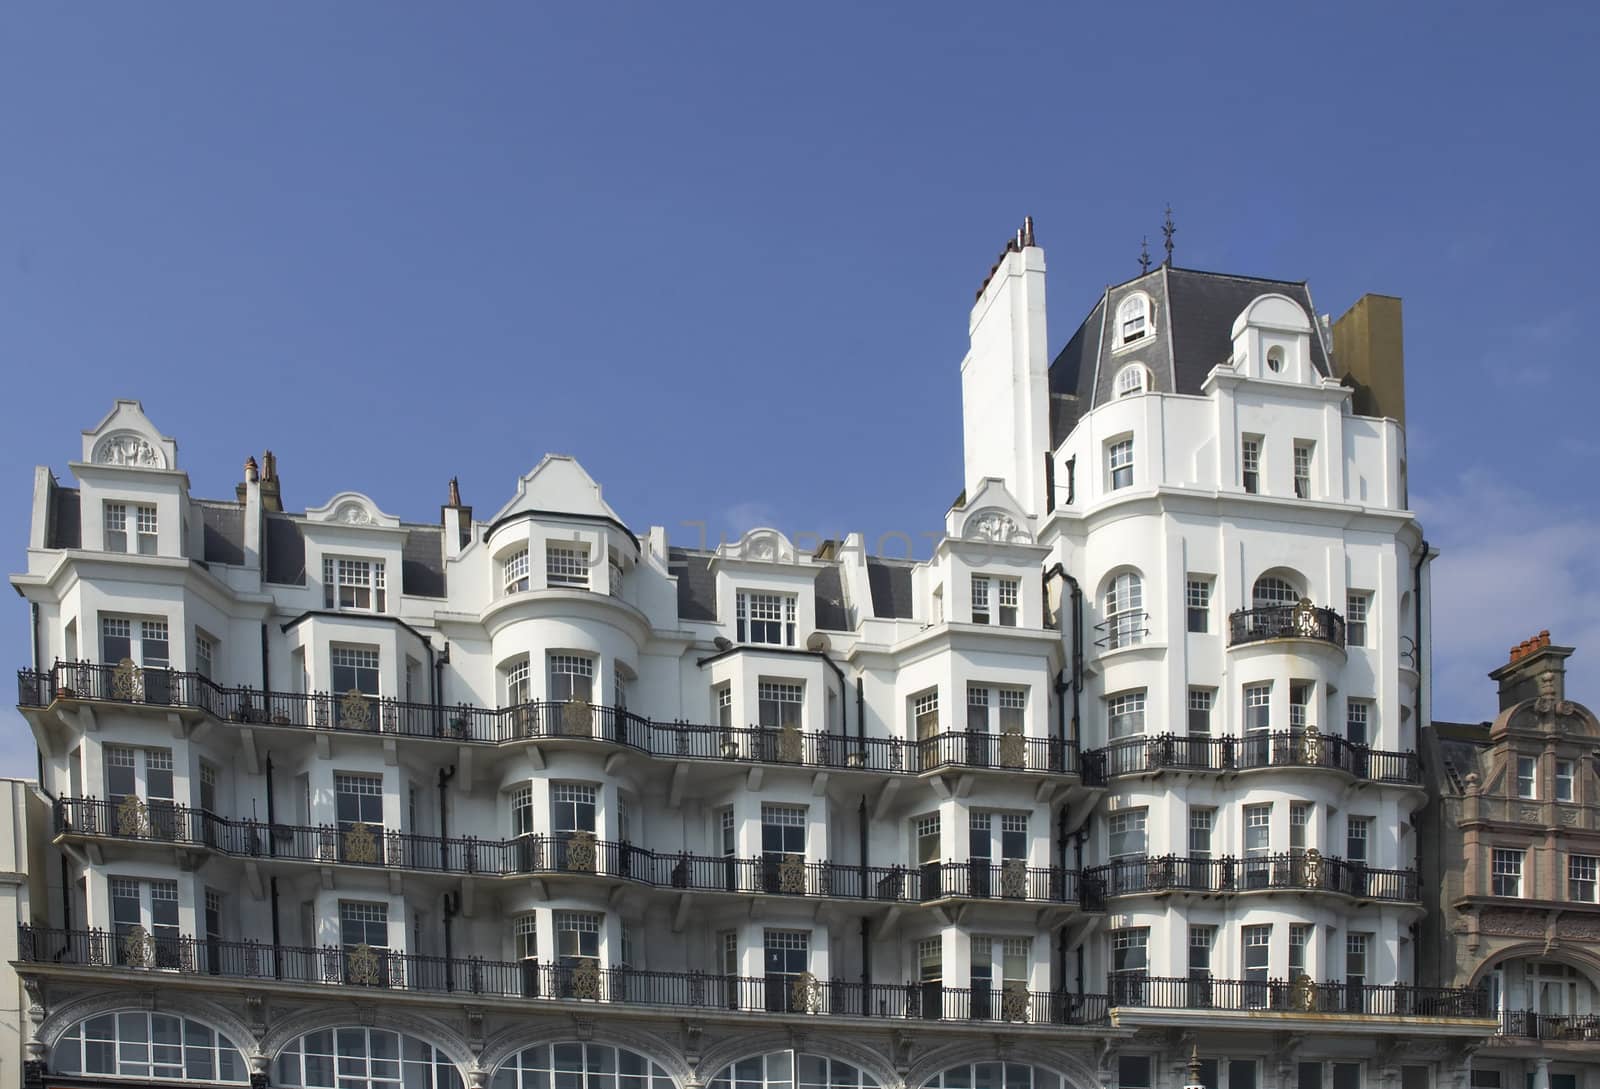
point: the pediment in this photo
(993, 514)
(352, 509)
(558, 483)
(125, 437)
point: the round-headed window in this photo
(1271, 590)
(1274, 360)
(140, 1044)
(1132, 379)
(580, 1066)
(792, 1070)
(364, 1058)
(996, 1076)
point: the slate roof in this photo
(286, 550)
(1461, 749)
(890, 583)
(222, 527)
(697, 589)
(65, 528)
(831, 612)
(422, 562)
(1194, 316)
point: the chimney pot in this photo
(251, 473)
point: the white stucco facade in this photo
(537, 778)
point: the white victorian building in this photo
(1116, 789)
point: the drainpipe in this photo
(272, 823)
(1422, 679)
(1077, 643)
(277, 938)
(866, 943)
(436, 683)
(266, 683)
(38, 651)
(445, 775)
(452, 905)
(66, 896)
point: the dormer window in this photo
(144, 525)
(1275, 360)
(766, 618)
(353, 584)
(1133, 319)
(1132, 379)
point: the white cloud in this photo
(1510, 565)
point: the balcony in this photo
(558, 721)
(578, 856)
(1520, 1026)
(174, 959)
(1302, 621)
(1305, 872)
(1306, 748)
(1299, 996)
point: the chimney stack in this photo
(271, 490)
(457, 519)
(1369, 354)
(1537, 668)
(249, 493)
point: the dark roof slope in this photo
(286, 550)
(65, 527)
(697, 588)
(1194, 313)
(831, 612)
(422, 562)
(222, 530)
(890, 583)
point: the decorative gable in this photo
(127, 438)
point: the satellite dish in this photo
(817, 643)
(722, 642)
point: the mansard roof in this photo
(1193, 313)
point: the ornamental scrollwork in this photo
(1014, 1002)
(1014, 879)
(805, 994)
(359, 843)
(586, 980)
(138, 948)
(1303, 994)
(133, 818)
(1313, 745)
(581, 852)
(362, 964)
(127, 682)
(355, 710)
(1311, 868)
(1012, 749)
(577, 719)
(790, 742)
(792, 874)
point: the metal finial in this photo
(1194, 1064)
(1144, 255)
(1168, 230)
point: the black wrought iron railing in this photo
(576, 855)
(572, 720)
(576, 981)
(1302, 621)
(1533, 1025)
(1307, 871)
(1280, 748)
(1302, 995)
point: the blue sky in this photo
(720, 251)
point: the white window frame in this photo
(1304, 462)
(1202, 829)
(1119, 463)
(1566, 781)
(1130, 380)
(514, 572)
(1125, 714)
(354, 584)
(1583, 878)
(1527, 781)
(114, 520)
(1257, 827)
(566, 565)
(1506, 871)
(1130, 825)
(759, 612)
(1357, 607)
(574, 667)
(1197, 604)
(1009, 592)
(1134, 323)
(1273, 592)
(981, 585)
(1124, 610)
(1202, 702)
(1250, 464)
(925, 713)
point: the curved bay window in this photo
(364, 1058)
(139, 1044)
(791, 1070)
(580, 1066)
(1124, 611)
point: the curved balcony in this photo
(174, 959)
(1307, 871)
(579, 855)
(1302, 995)
(559, 721)
(1308, 748)
(1302, 621)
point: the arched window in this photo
(580, 1066)
(1132, 379)
(996, 1076)
(139, 1044)
(792, 1070)
(1271, 590)
(1124, 611)
(1275, 360)
(364, 1058)
(1133, 318)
